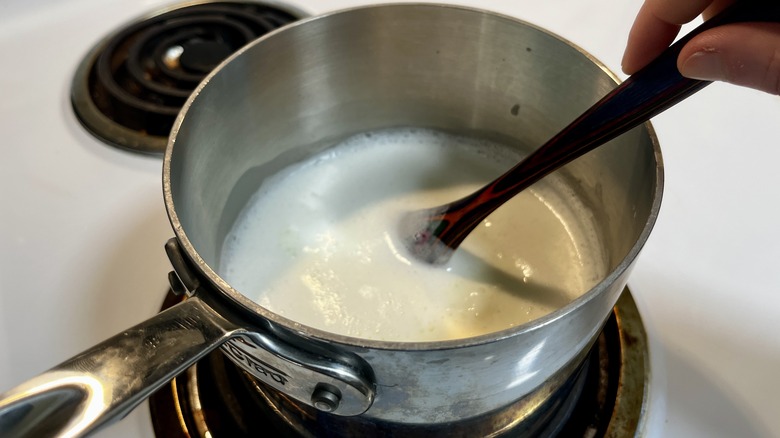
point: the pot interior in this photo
(308, 87)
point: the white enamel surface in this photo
(82, 225)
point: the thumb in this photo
(746, 54)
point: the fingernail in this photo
(705, 66)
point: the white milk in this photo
(317, 243)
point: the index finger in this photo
(656, 26)
(676, 11)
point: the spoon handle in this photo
(650, 91)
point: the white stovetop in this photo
(82, 225)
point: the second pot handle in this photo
(107, 381)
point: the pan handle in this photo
(104, 383)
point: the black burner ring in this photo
(606, 397)
(130, 88)
(203, 56)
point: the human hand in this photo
(746, 54)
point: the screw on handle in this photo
(326, 398)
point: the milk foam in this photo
(317, 243)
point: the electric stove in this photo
(83, 221)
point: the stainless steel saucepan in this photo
(303, 89)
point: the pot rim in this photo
(224, 289)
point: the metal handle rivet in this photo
(177, 287)
(325, 397)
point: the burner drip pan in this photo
(130, 87)
(605, 396)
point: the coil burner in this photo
(129, 88)
(607, 396)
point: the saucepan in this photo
(301, 90)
